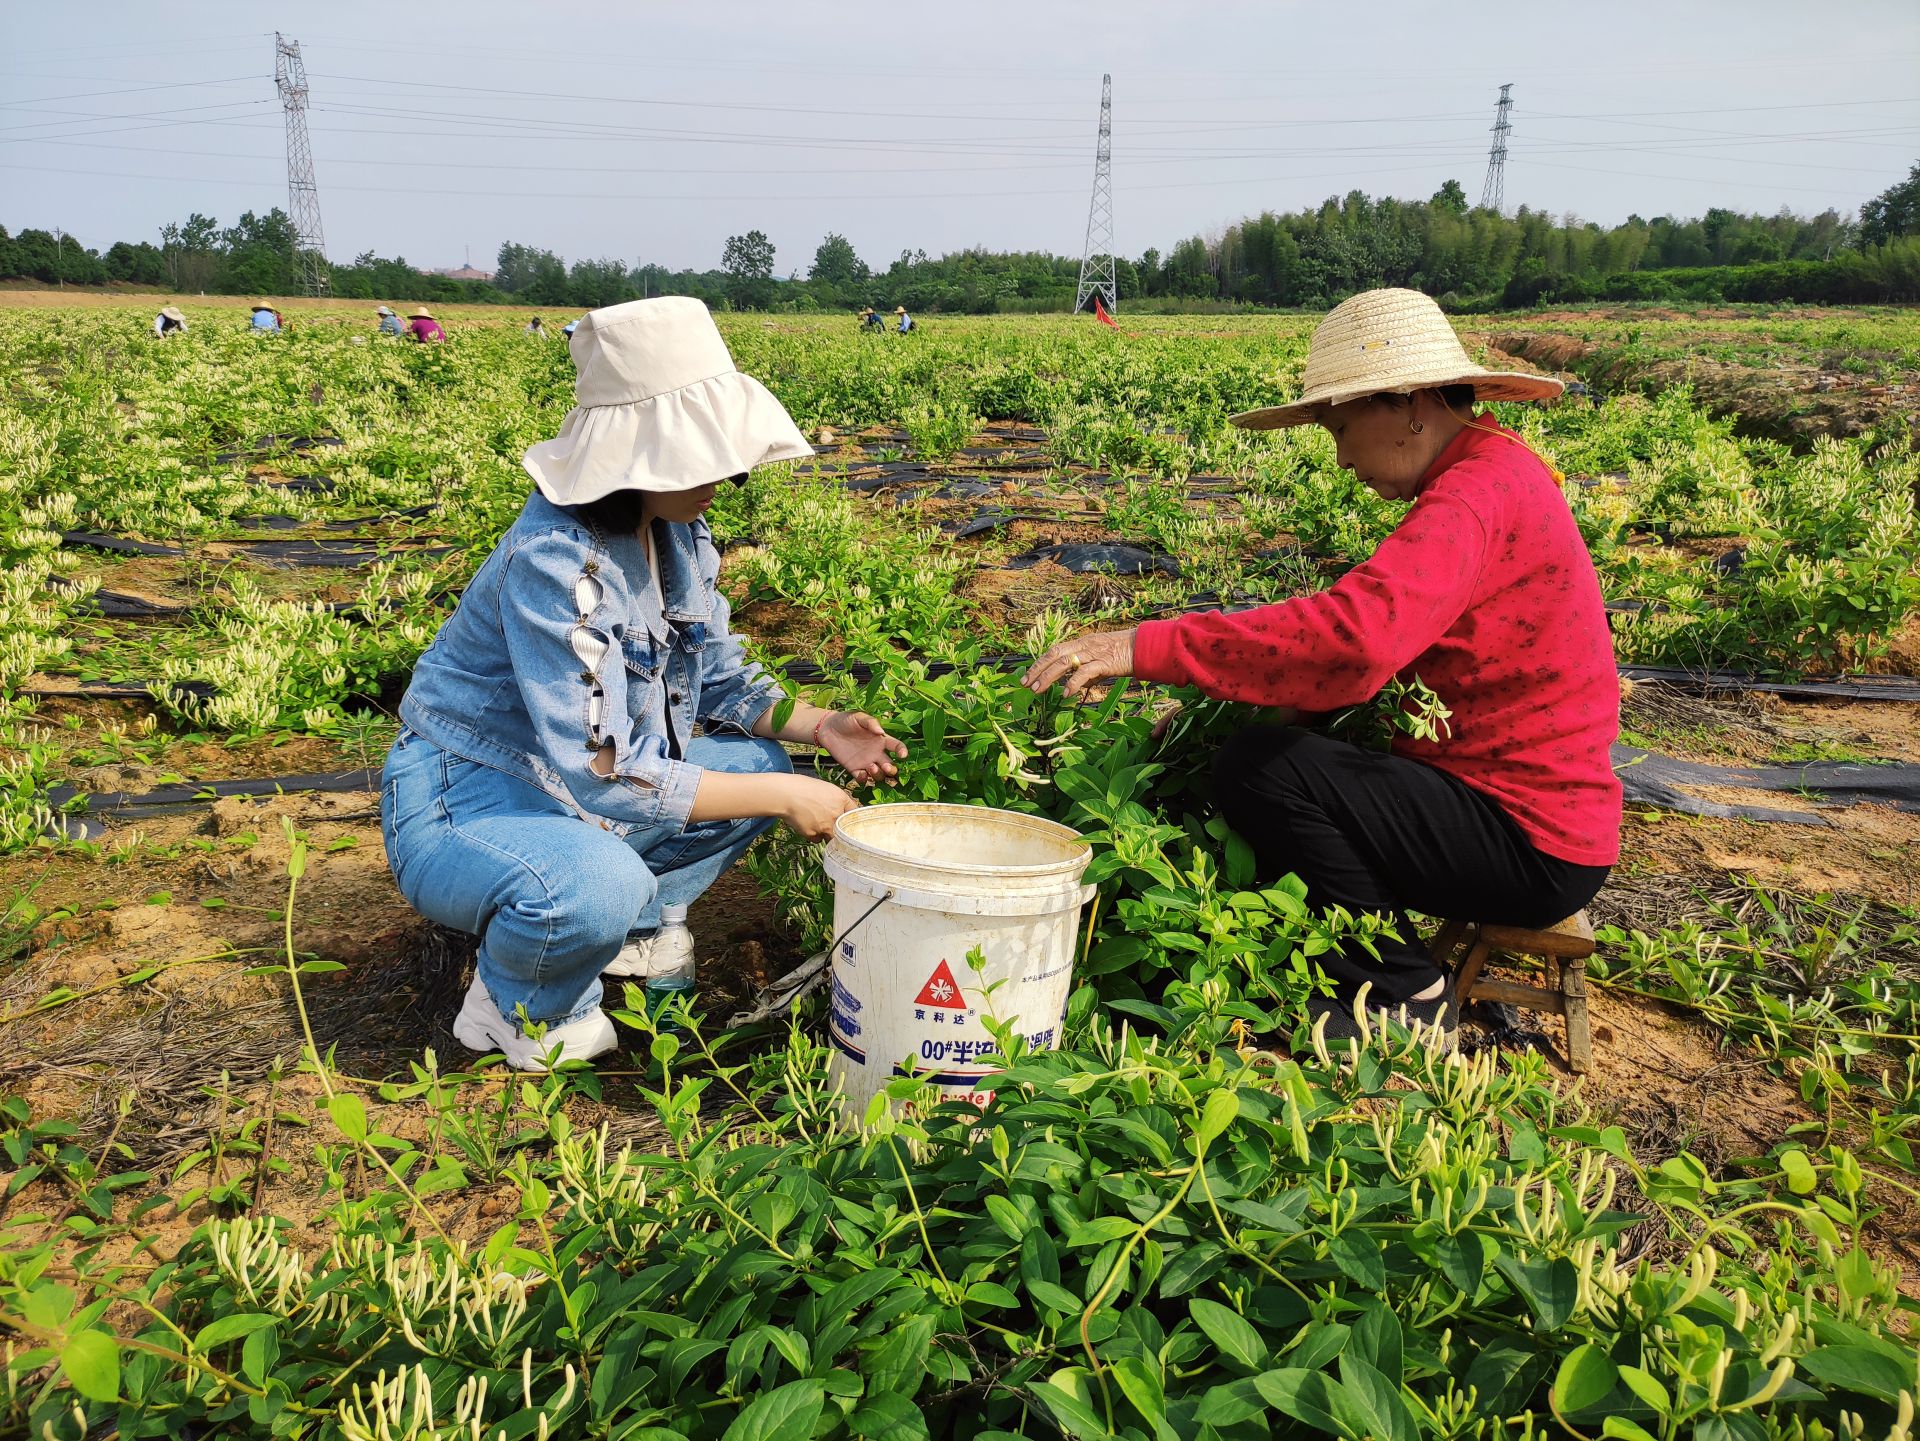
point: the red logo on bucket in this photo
(941, 990)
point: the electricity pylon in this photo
(1096, 261)
(303, 196)
(1493, 193)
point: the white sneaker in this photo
(481, 1027)
(666, 951)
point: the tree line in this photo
(1468, 257)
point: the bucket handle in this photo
(833, 946)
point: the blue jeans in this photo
(551, 895)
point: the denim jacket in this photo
(558, 647)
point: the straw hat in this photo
(1390, 342)
(420, 313)
(659, 407)
(899, 310)
(172, 312)
(382, 310)
(260, 305)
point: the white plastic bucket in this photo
(941, 880)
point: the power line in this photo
(130, 90)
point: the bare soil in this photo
(1791, 403)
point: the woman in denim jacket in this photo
(549, 791)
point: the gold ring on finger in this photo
(1075, 661)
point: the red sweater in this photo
(1486, 592)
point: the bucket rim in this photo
(1072, 864)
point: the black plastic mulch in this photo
(115, 544)
(166, 800)
(280, 440)
(329, 554)
(122, 606)
(290, 522)
(1710, 682)
(989, 518)
(1649, 778)
(1095, 558)
(341, 553)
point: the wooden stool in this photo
(1563, 947)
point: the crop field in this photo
(255, 1187)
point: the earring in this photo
(1417, 426)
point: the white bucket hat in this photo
(660, 407)
(1390, 342)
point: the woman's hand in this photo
(811, 806)
(1104, 655)
(861, 744)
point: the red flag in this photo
(1100, 314)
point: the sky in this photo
(653, 132)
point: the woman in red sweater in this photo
(1484, 592)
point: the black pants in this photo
(1375, 832)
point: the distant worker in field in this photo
(534, 327)
(266, 319)
(568, 329)
(1508, 810)
(906, 320)
(422, 326)
(169, 321)
(389, 322)
(871, 319)
(586, 746)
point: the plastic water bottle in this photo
(664, 985)
(662, 989)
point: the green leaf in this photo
(1237, 1340)
(787, 1413)
(1049, 1293)
(1550, 1288)
(1644, 1385)
(1357, 1254)
(1190, 1268)
(772, 1211)
(1306, 1396)
(1585, 1378)
(1007, 1216)
(1801, 1179)
(1625, 1430)
(1220, 1112)
(92, 1364)
(991, 1293)
(1462, 1259)
(1377, 1339)
(1140, 1384)
(1230, 1404)
(231, 1328)
(899, 1364)
(258, 1355)
(1858, 1369)
(1060, 1395)
(1505, 1374)
(349, 1115)
(888, 1416)
(1373, 1401)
